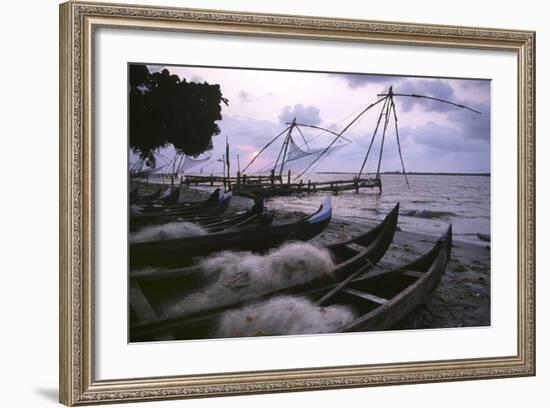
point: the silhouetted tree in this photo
(166, 110)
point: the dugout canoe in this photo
(177, 252)
(219, 222)
(352, 257)
(160, 206)
(209, 208)
(382, 299)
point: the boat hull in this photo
(177, 252)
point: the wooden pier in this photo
(274, 185)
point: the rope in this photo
(436, 99)
(398, 142)
(342, 131)
(372, 139)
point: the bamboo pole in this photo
(372, 138)
(386, 121)
(223, 162)
(284, 147)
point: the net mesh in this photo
(163, 164)
(297, 158)
(188, 163)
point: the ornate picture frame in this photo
(79, 22)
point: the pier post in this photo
(272, 177)
(288, 178)
(308, 185)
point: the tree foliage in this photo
(166, 110)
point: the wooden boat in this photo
(242, 220)
(209, 220)
(208, 208)
(170, 196)
(177, 252)
(254, 215)
(379, 298)
(252, 222)
(352, 257)
(160, 206)
(139, 199)
(383, 298)
(133, 193)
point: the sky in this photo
(434, 136)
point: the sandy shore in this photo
(462, 298)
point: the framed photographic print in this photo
(261, 203)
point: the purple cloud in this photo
(473, 126)
(438, 138)
(435, 88)
(359, 80)
(481, 84)
(303, 114)
(244, 130)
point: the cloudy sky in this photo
(435, 137)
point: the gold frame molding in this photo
(78, 22)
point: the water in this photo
(428, 206)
